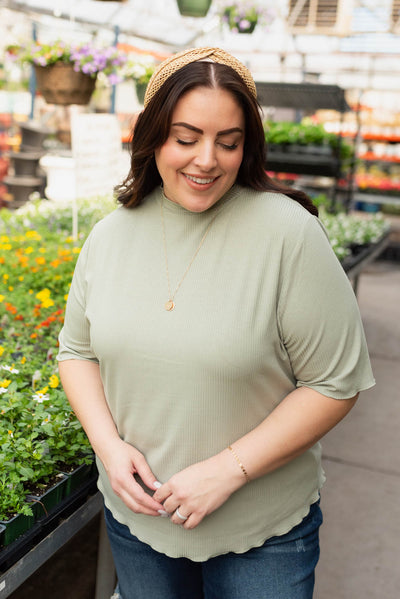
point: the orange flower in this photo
(10, 308)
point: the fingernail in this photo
(157, 484)
(163, 513)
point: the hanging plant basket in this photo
(240, 23)
(194, 8)
(248, 29)
(60, 84)
(141, 91)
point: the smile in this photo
(199, 180)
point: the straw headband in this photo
(177, 61)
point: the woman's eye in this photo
(185, 143)
(229, 147)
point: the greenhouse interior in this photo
(73, 79)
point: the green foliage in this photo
(306, 134)
(39, 433)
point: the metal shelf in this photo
(33, 558)
(303, 164)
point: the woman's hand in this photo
(121, 461)
(84, 388)
(200, 489)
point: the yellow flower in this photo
(5, 277)
(43, 391)
(54, 381)
(23, 360)
(47, 303)
(66, 296)
(2, 350)
(42, 250)
(6, 246)
(2, 297)
(5, 383)
(20, 278)
(33, 235)
(11, 288)
(4, 238)
(44, 294)
(29, 250)
(76, 250)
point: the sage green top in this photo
(265, 307)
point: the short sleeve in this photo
(319, 319)
(74, 338)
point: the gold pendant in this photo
(169, 305)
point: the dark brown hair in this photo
(152, 127)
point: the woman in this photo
(211, 339)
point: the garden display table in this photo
(356, 263)
(27, 554)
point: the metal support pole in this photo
(113, 90)
(32, 79)
(105, 577)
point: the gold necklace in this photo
(170, 304)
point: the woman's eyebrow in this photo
(197, 130)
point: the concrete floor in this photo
(360, 537)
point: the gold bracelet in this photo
(240, 463)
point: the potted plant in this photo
(141, 73)
(193, 8)
(66, 73)
(242, 16)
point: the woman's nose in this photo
(206, 157)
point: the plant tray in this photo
(42, 527)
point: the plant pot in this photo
(33, 135)
(2, 529)
(140, 91)
(25, 163)
(21, 188)
(48, 500)
(61, 178)
(248, 29)
(194, 8)
(230, 17)
(77, 477)
(17, 525)
(60, 84)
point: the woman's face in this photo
(200, 160)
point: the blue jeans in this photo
(282, 568)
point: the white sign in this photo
(97, 151)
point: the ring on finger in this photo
(177, 512)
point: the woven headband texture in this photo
(177, 61)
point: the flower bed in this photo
(39, 434)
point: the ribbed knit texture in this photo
(265, 307)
